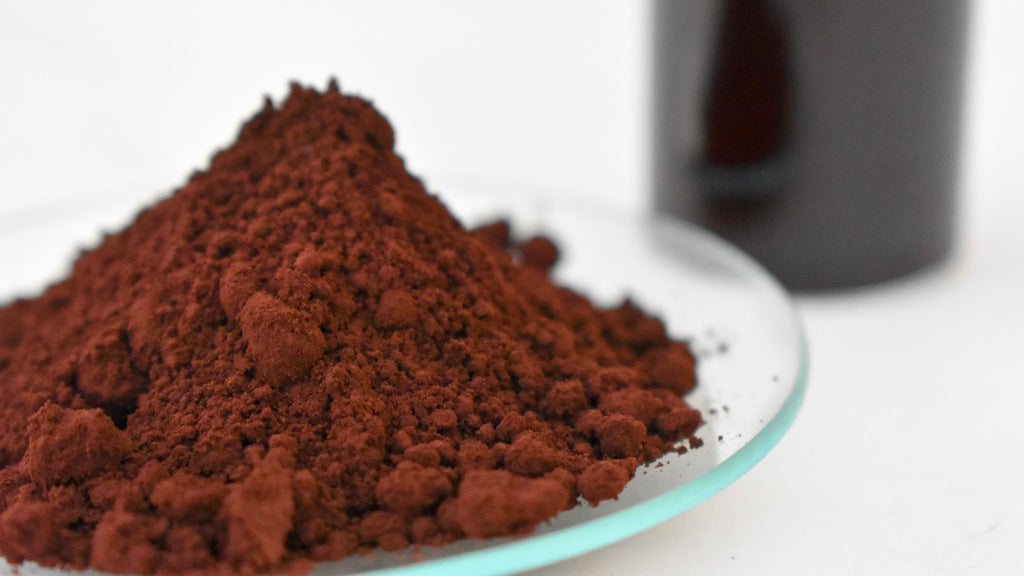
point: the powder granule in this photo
(301, 354)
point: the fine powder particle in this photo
(301, 355)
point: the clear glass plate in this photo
(752, 373)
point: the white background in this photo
(907, 456)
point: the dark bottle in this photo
(821, 138)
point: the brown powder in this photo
(300, 355)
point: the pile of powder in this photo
(301, 355)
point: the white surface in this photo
(905, 459)
(135, 96)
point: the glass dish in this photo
(752, 373)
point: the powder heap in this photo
(300, 355)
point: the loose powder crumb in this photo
(301, 355)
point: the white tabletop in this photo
(906, 457)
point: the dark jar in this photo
(820, 137)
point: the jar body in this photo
(820, 138)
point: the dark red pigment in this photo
(301, 355)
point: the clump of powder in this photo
(300, 355)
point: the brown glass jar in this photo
(821, 138)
